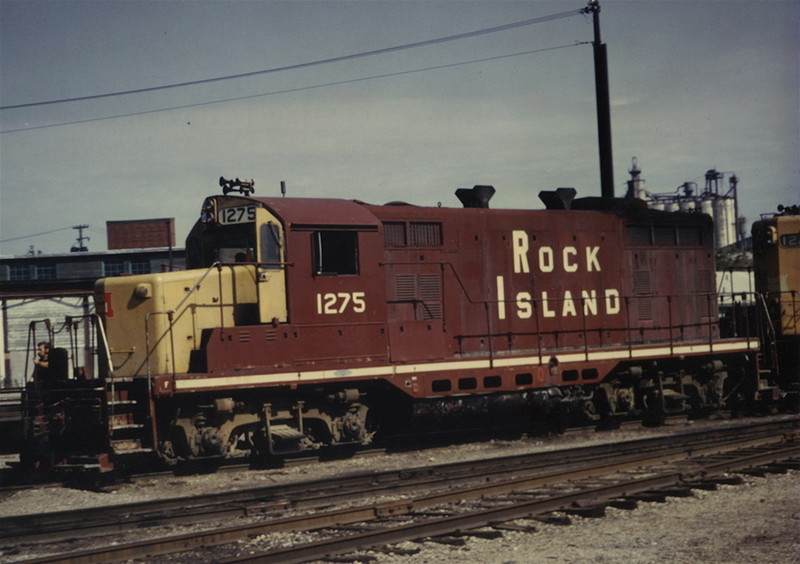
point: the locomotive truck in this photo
(302, 324)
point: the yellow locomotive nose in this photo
(154, 322)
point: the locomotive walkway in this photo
(427, 501)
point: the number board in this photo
(238, 214)
(790, 240)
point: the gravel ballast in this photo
(754, 522)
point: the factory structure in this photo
(716, 199)
(735, 281)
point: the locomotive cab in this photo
(157, 324)
(202, 347)
(234, 231)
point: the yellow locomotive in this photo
(776, 264)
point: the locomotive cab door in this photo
(271, 269)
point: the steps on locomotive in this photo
(286, 433)
(127, 417)
(767, 391)
(285, 439)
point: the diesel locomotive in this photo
(776, 268)
(302, 324)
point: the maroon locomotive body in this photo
(307, 323)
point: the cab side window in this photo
(270, 246)
(335, 252)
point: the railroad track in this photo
(12, 478)
(513, 487)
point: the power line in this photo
(292, 90)
(383, 51)
(35, 235)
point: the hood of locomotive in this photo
(154, 322)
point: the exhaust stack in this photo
(475, 197)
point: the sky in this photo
(694, 85)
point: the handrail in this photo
(625, 331)
(787, 300)
(710, 318)
(770, 329)
(194, 288)
(94, 318)
(102, 332)
(170, 313)
(587, 329)
(178, 309)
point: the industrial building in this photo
(715, 200)
(37, 287)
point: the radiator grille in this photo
(643, 290)
(706, 293)
(430, 292)
(426, 234)
(394, 234)
(424, 290)
(406, 287)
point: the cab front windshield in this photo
(232, 244)
(235, 250)
(226, 245)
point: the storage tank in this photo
(724, 222)
(707, 207)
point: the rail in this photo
(624, 468)
(592, 488)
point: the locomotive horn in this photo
(243, 186)
(245, 183)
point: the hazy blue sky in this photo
(694, 85)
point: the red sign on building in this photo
(141, 233)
